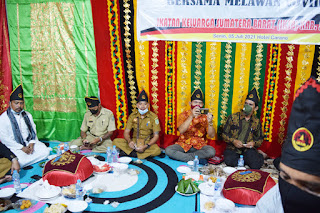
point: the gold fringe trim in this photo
(226, 85)
(257, 66)
(286, 95)
(318, 68)
(154, 77)
(127, 40)
(142, 67)
(198, 65)
(242, 74)
(212, 75)
(184, 71)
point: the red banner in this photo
(5, 64)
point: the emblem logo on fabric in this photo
(143, 97)
(302, 139)
(251, 96)
(65, 158)
(89, 103)
(198, 95)
(20, 95)
(250, 177)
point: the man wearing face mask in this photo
(194, 128)
(299, 182)
(146, 129)
(97, 127)
(243, 134)
(18, 131)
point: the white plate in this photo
(100, 173)
(43, 193)
(48, 199)
(125, 160)
(224, 205)
(183, 193)
(183, 169)
(207, 189)
(229, 170)
(77, 206)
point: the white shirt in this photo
(7, 138)
(270, 202)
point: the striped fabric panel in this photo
(170, 83)
(118, 70)
(226, 81)
(198, 66)
(270, 96)
(212, 76)
(241, 75)
(128, 48)
(305, 58)
(258, 70)
(183, 75)
(142, 64)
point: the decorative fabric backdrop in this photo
(170, 71)
(54, 57)
(5, 64)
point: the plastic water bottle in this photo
(79, 190)
(217, 187)
(66, 147)
(241, 161)
(109, 155)
(114, 155)
(16, 181)
(195, 163)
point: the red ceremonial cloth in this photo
(248, 188)
(66, 169)
(5, 68)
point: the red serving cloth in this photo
(247, 189)
(66, 169)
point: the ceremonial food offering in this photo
(23, 204)
(187, 187)
(56, 208)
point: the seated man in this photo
(193, 127)
(146, 128)
(299, 182)
(243, 134)
(97, 127)
(18, 132)
(7, 161)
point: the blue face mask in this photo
(142, 112)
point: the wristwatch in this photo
(148, 146)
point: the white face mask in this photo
(16, 113)
(142, 112)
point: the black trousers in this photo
(251, 157)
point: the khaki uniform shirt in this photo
(147, 126)
(99, 125)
